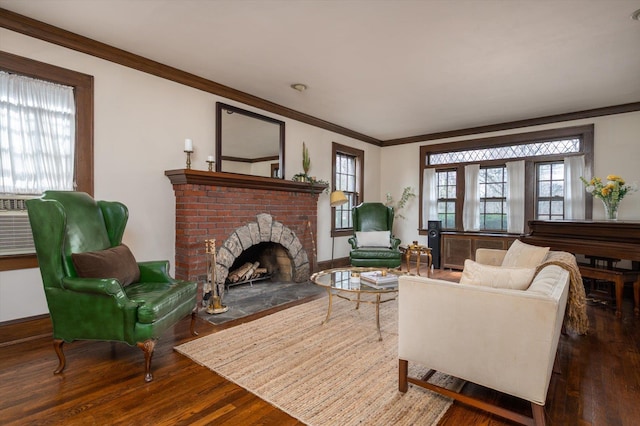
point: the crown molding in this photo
(52, 34)
(577, 115)
(49, 33)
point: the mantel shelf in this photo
(235, 180)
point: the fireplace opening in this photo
(265, 261)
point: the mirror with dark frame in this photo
(248, 143)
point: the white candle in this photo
(188, 145)
(210, 158)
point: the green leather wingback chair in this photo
(65, 222)
(368, 217)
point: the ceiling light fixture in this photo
(299, 87)
(636, 15)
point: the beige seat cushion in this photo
(373, 238)
(522, 255)
(475, 273)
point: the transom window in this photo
(537, 149)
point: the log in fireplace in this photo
(263, 261)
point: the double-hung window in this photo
(37, 143)
(550, 191)
(492, 183)
(46, 142)
(446, 190)
(348, 166)
(37, 135)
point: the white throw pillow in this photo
(521, 255)
(475, 273)
(374, 239)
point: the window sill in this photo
(342, 233)
(21, 261)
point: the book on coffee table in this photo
(375, 279)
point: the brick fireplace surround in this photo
(238, 211)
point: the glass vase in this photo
(611, 209)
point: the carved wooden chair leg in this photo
(194, 316)
(57, 346)
(147, 347)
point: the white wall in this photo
(141, 122)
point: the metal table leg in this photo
(329, 309)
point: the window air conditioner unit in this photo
(15, 230)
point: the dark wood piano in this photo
(608, 239)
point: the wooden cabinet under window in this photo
(459, 246)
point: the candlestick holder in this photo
(188, 158)
(211, 163)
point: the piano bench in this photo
(619, 277)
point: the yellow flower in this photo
(612, 190)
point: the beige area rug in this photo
(332, 374)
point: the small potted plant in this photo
(306, 165)
(306, 160)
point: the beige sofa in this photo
(501, 339)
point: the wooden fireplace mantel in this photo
(235, 180)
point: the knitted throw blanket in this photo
(575, 317)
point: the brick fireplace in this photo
(240, 212)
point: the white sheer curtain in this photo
(429, 196)
(515, 196)
(37, 135)
(471, 208)
(574, 191)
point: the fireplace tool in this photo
(215, 301)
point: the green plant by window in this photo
(407, 194)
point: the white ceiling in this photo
(387, 69)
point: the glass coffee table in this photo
(349, 284)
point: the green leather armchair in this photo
(374, 218)
(66, 222)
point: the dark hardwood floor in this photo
(599, 382)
